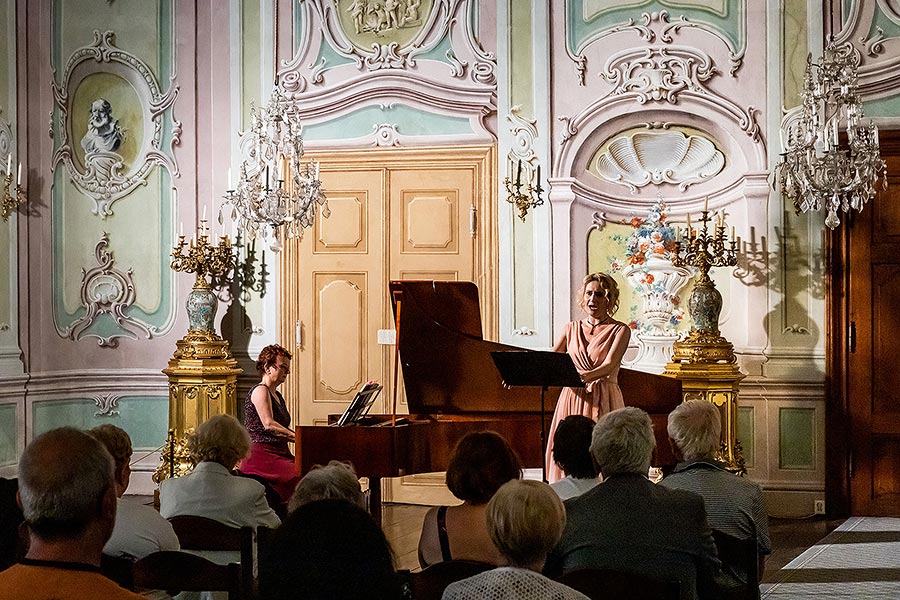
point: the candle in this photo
(204, 213)
(677, 233)
(519, 174)
(19, 175)
(539, 176)
(181, 229)
(732, 233)
(706, 204)
(230, 187)
(689, 224)
(9, 164)
(317, 171)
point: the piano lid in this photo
(447, 365)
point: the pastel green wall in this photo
(145, 418)
(8, 455)
(796, 44)
(746, 434)
(797, 438)
(251, 59)
(409, 121)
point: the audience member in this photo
(140, 530)
(628, 523)
(328, 550)
(480, 463)
(13, 538)
(734, 505)
(572, 453)
(68, 497)
(335, 481)
(211, 490)
(525, 520)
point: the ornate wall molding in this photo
(658, 73)
(655, 26)
(106, 290)
(107, 403)
(7, 144)
(635, 159)
(103, 174)
(441, 67)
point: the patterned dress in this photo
(270, 456)
(588, 350)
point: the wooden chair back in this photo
(606, 584)
(201, 533)
(743, 556)
(175, 571)
(118, 568)
(429, 583)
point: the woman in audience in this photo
(335, 481)
(596, 344)
(525, 520)
(328, 550)
(139, 529)
(269, 423)
(480, 463)
(572, 453)
(211, 490)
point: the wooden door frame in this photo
(839, 442)
(480, 157)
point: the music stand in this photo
(540, 369)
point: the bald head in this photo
(64, 476)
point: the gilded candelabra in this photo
(703, 250)
(704, 362)
(523, 200)
(11, 202)
(202, 373)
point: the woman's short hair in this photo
(525, 520)
(607, 284)
(696, 428)
(116, 440)
(268, 356)
(328, 549)
(480, 463)
(220, 439)
(335, 481)
(623, 442)
(572, 447)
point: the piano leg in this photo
(375, 499)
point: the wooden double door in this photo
(863, 353)
(398, 214)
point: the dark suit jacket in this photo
(630, 524)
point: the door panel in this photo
(402, 213)
(873, 297)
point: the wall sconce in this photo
(523, 200)
(11, 202)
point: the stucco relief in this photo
(106, 157)
(424, 54)
(107, 293)
(877, 47)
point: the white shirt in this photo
(510, 583)
(569, 487)
(139, 531)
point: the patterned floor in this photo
(859, 559)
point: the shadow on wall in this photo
(249, 279)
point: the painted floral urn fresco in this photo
(649, 270)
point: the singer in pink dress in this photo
(596, 344)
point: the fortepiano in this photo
(452, 388)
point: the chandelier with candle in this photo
(277, 193)
(818, 168)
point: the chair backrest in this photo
(201, 533)
(118, 568)
(740, 555)
(175, 571)
(429, 584)
(603, 584)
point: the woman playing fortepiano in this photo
(596, 344)
(269, 423)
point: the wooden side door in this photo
(863, 416)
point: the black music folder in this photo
(537, 368)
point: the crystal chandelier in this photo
(818, 168)
(277, 193)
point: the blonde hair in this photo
(608, 285)
(525, 519)
(696, 428)
(220, 439)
